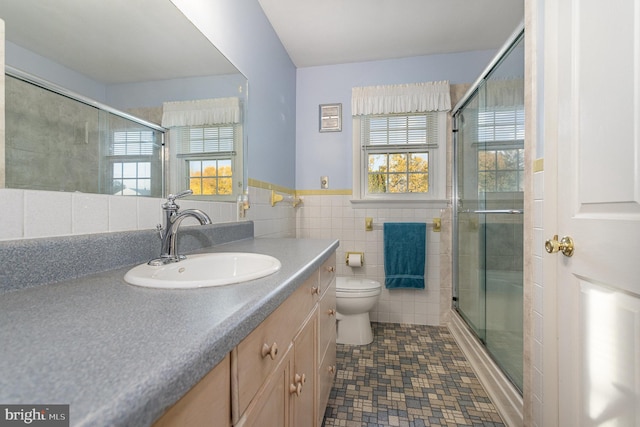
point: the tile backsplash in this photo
(335, 217)
(33, 214)
(36, 214)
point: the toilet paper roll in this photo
(355, 260)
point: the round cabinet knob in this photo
(331, 269)
(300, 379)
(332, 369)
(269, 351)
(315, 290)
(295, 389)
(332, 312)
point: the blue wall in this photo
(27, 61)
(154, 93)
(241, 31)
(285, 147)
(330, 153)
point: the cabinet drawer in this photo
(262, 350)
(326, 375)
(327, 273)
(327, 319)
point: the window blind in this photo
(132, 143)
(400, 130)
(206, 139)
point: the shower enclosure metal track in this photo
(496, 211)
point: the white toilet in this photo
(355, 297)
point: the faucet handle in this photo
(171, 199)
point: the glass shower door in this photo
(470, 254)
(489, 168)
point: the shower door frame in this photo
(456, 201)
(513, 39)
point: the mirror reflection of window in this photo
(208, 154)
(114, 65)
(130, 154)
(206, 136)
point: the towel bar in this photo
(436, 224)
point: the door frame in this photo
(541, 380)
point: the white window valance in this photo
(405, 98)
(201, 112)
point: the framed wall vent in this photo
(330, 117)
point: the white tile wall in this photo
(32, 214)
(537, 340)
(12, 224)
(89, 213)
(334, 217)
(271, 221)
(46, 213)
(43, 214)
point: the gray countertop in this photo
(118, 354)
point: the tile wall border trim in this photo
(538, 165)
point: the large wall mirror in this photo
(119, 97)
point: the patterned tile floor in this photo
(411, 376)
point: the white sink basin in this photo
(204, 270)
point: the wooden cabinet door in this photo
(270, 406)
(303, 385)
(207, 404)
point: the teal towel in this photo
(405, 248)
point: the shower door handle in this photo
(497, 211)
(565, 245)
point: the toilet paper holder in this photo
(354, 253)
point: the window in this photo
(206, 138)
(396, 151)
(130, 154)
(501, 156)
(131, 178)
(208, 154)
(399, 140)
(399, 152)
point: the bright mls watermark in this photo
(34, 415)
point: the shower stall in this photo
(57, 140)
(488, 208)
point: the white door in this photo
(593, 141)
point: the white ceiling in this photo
(113, 41)
(341, 31)
(110, 40)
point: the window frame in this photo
(180, 180)
(437, 166)
(121, 158)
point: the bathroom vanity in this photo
(282, 372)
(122, 355)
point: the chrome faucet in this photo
(169, 231)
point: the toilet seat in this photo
(356, 285)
